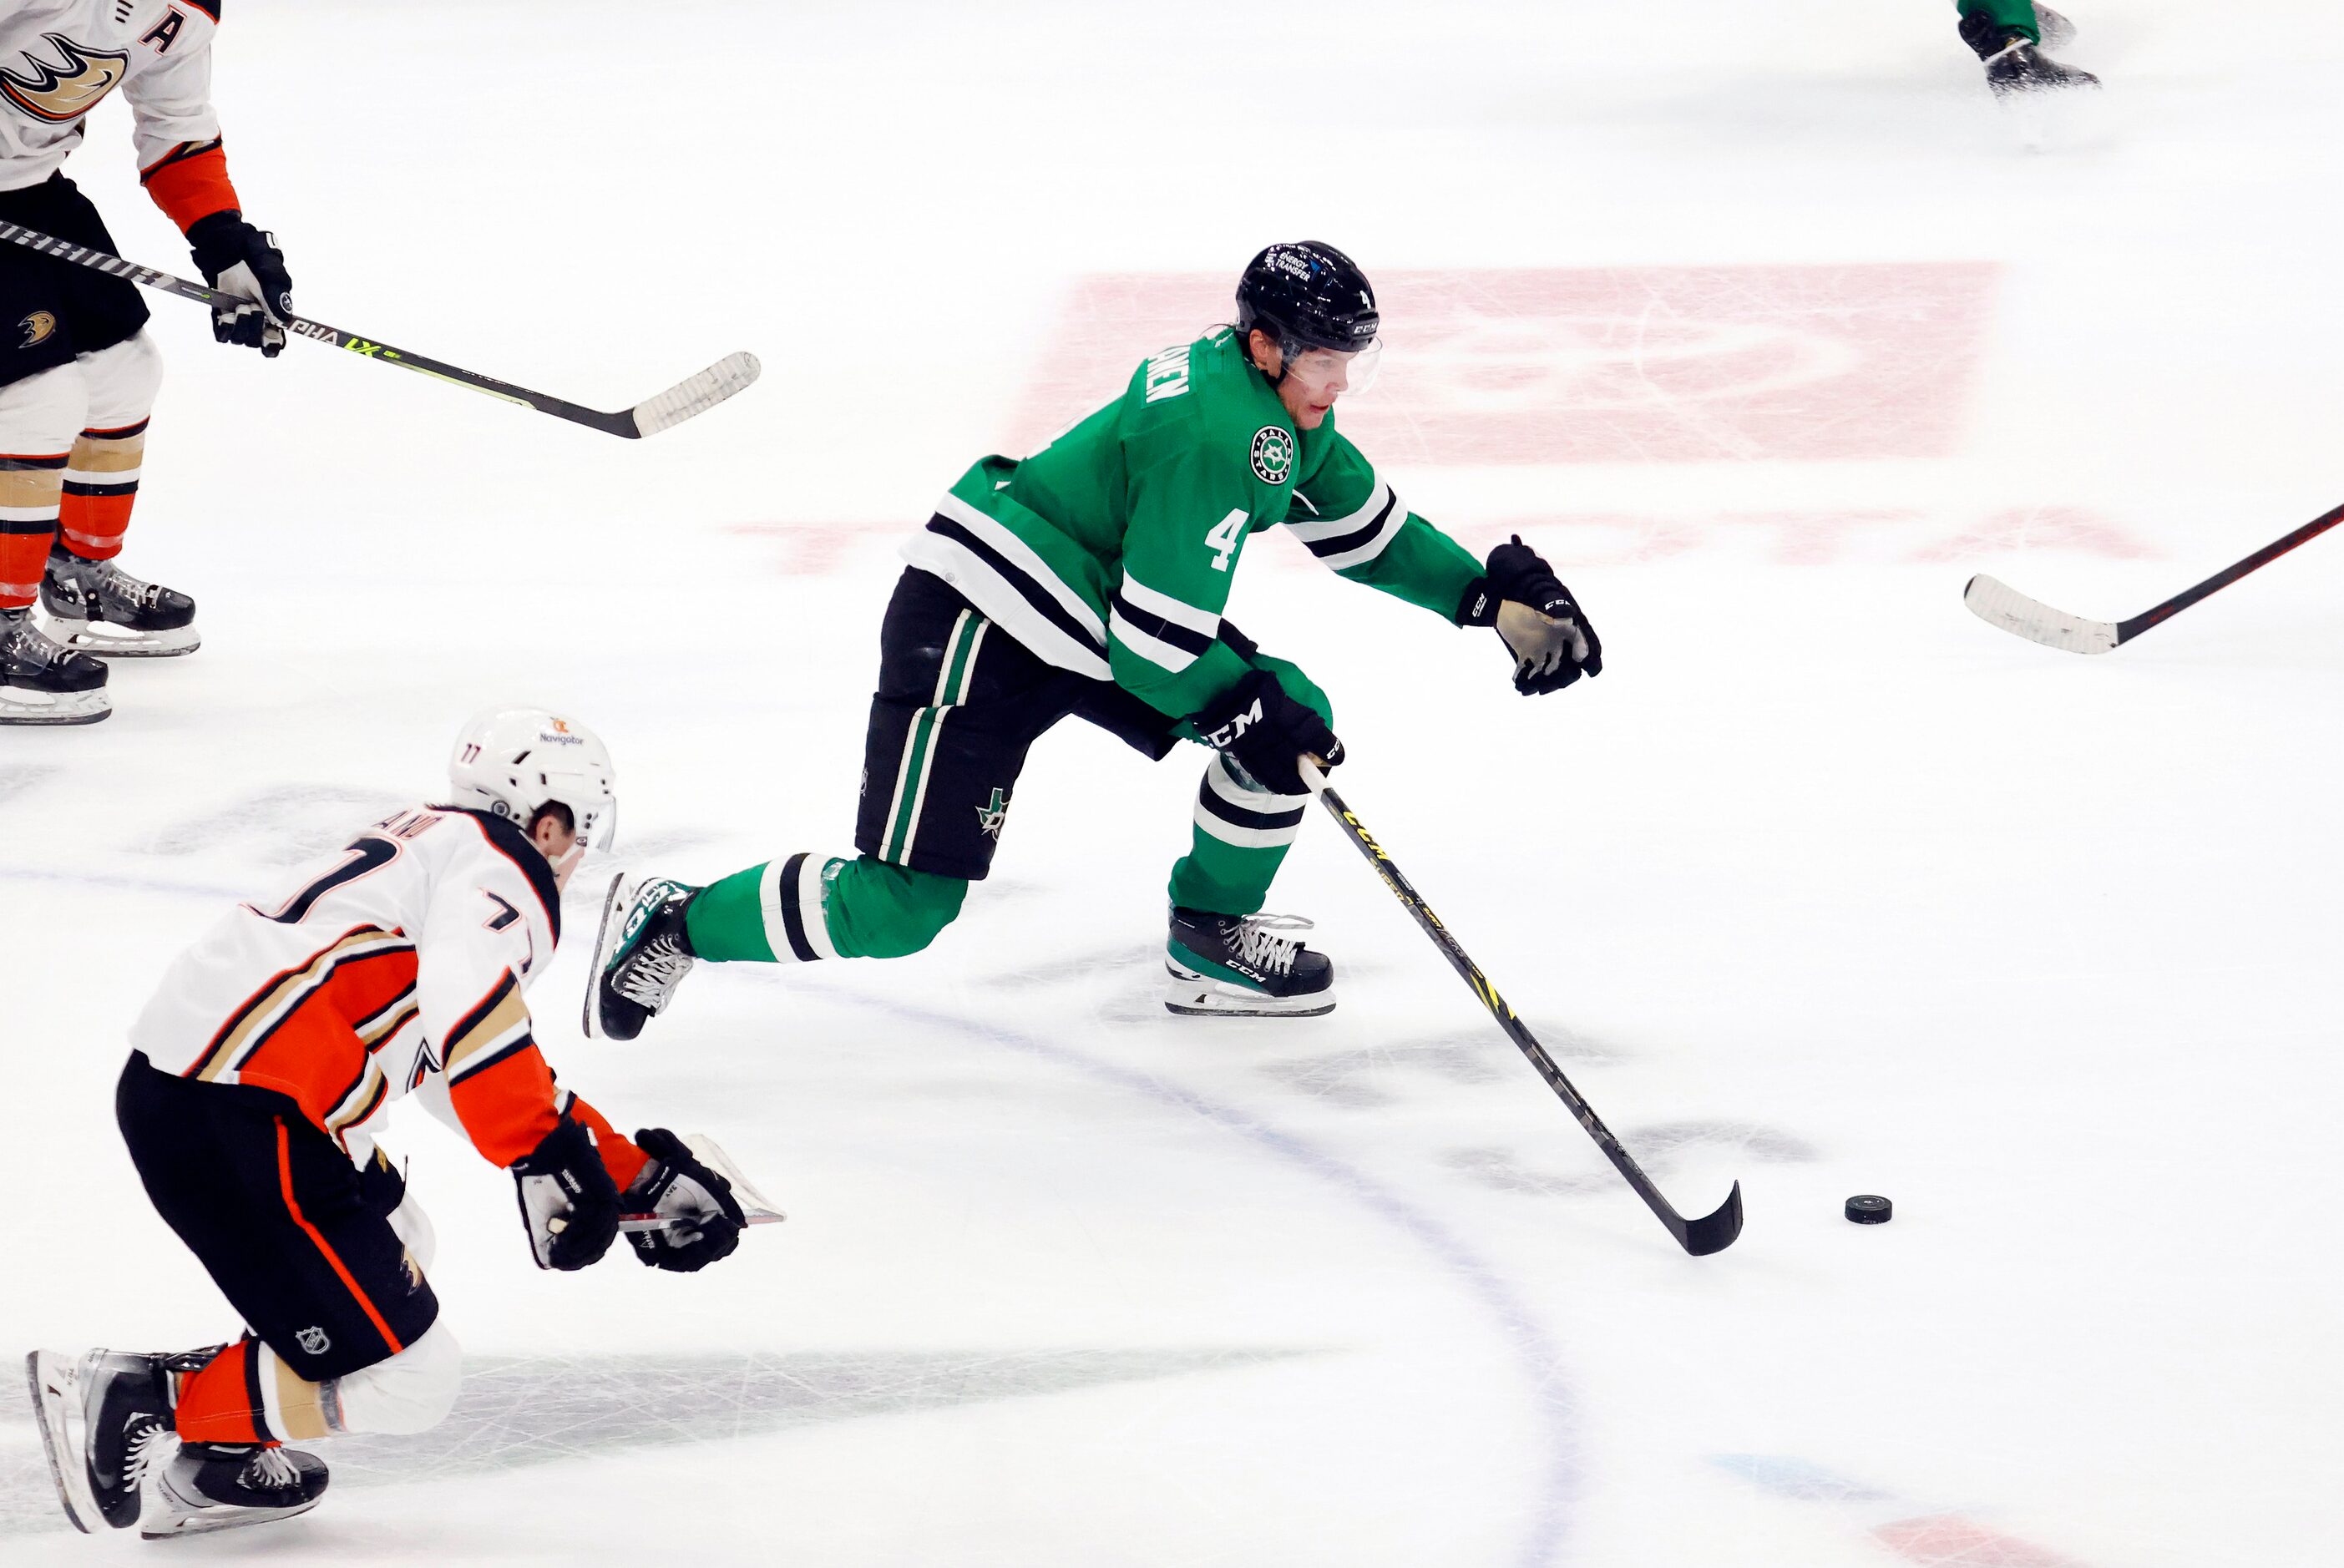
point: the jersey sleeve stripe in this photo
(1009, 597)
(1359, 548)
(1154, 650)
(1311, 528)
(481, 1034)
(1150, 604)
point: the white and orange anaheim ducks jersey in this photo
(59, 59)
(397, 963)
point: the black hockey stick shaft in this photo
(622, 423)
(2127, 629)
(1711, 1232)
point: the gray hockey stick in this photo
(694, 394)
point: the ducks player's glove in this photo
(238, 258)
(703, 1220)
(1265, 733)
(1542, 625)
(569, 1204)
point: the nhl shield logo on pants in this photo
(314, 1341)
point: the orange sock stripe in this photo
(220, 1401)
(23, 558)
(93, 525)
(293, 1206)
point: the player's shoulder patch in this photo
(210, 8)
(1273, 454)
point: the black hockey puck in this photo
(1868, 1208)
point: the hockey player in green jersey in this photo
(1088, 580)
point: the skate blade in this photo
(210, 1519)
(1201, 996)
(18, 706)
(101, 641)
(55, 1380)
(614, 906)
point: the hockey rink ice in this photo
(1762, 323)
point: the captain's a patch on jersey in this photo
(1273, 454)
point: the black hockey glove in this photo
(1265, 733)
(238, 258)
(1540, 623)
(569, 1204)
(704, 1222)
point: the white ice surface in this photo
(1823, 884)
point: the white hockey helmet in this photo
(509, 762)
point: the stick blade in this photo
(693, 395)
(1715, 1231)
(1997, 604)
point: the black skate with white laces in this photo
(105, 1422)
(2017, 64)
(1239, 966)
(98, 608)
(224, 1485)
(43, 682)
(641, 954)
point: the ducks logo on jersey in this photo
(63, 94)
(38, 327)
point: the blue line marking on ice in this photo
(1539, 1356)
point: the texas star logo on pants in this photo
(989, 815)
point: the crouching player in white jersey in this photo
(262, 1070)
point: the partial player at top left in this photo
(78, 372)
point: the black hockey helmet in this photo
(1308, 295)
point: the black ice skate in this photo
(223, 1485)
(105, 1422)
(1239, 966)
(641, 954)
(98, 608)
(42, 683)
(2016, 64)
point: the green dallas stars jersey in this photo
(1110, 551)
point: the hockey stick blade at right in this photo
(693, 395)
(1997, 604)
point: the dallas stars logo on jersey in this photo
(1273, 454)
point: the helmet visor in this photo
(1335, 370)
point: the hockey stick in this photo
(1711, 1232)
(693, 395)
(1998, 605)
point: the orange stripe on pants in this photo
(285, 1178)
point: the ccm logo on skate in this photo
(60, 95)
